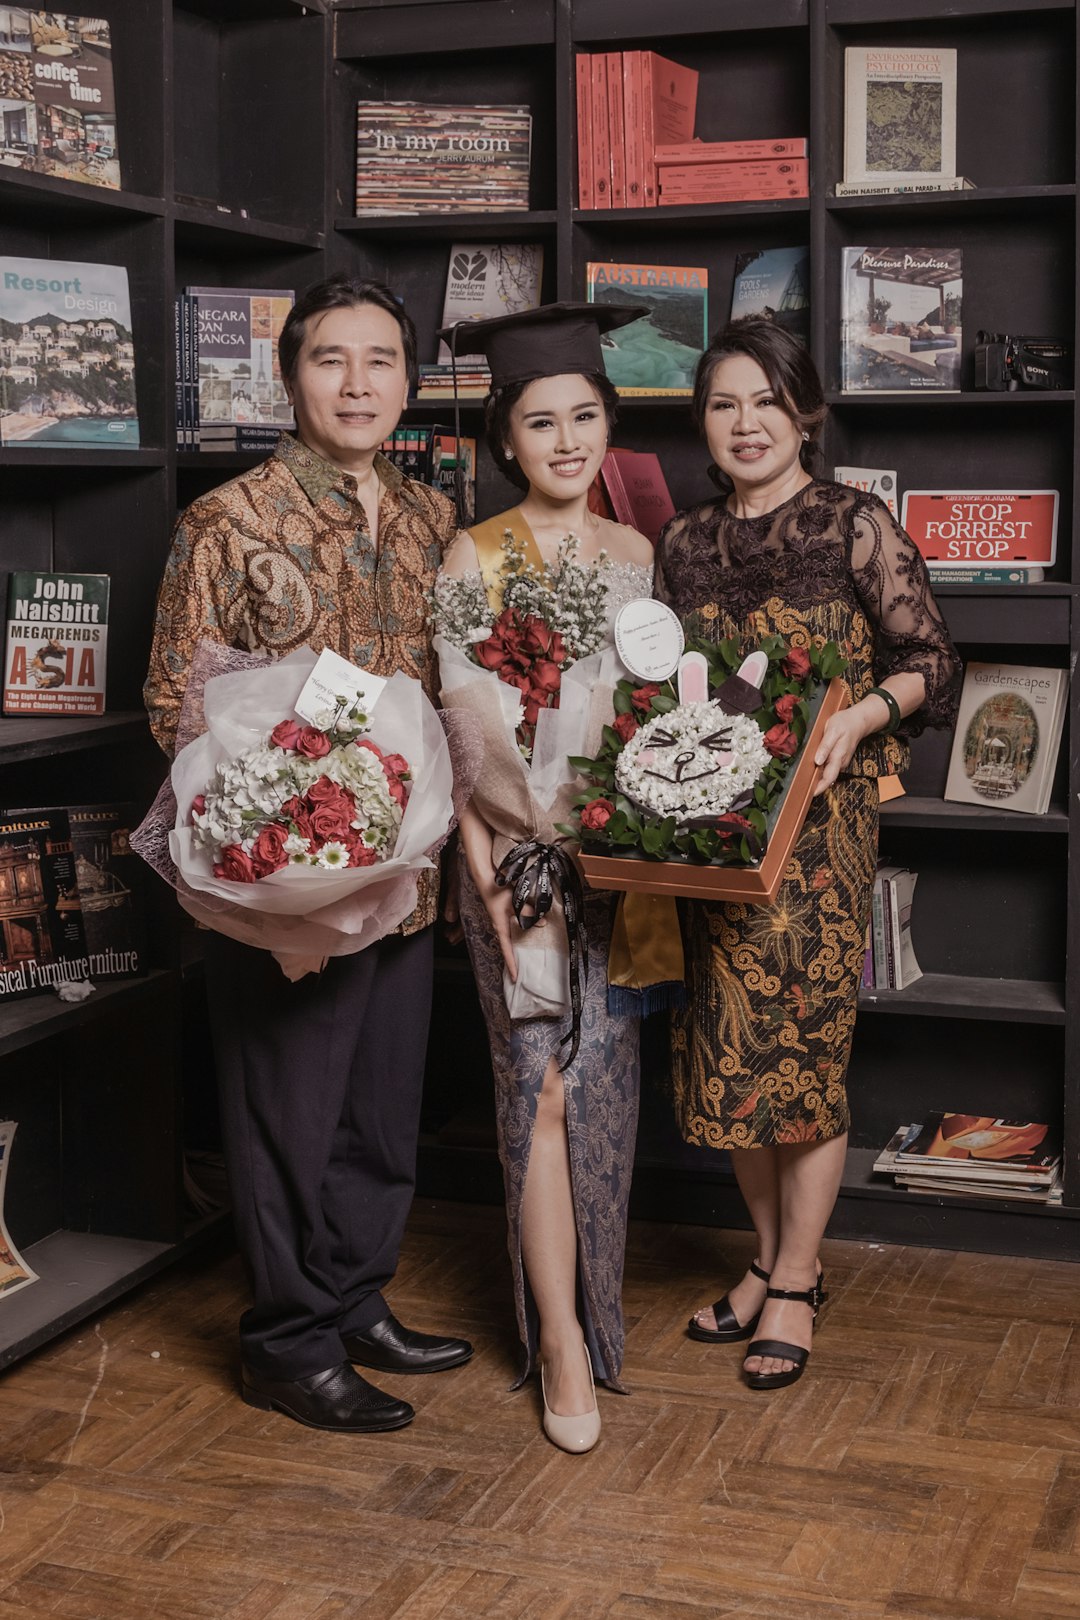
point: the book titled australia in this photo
(774, 282)
(899, 114)
(56, 643)
(67, 355)
(1008, 730)
(901, 314)
(413, 157)
(57, 105)
(42, 943)
(657, 354)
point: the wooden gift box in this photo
(757, 884)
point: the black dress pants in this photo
(319, 1085)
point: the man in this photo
(324, 545)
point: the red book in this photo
(601, 141)
(632, 130)
(703, 176)
(597, 500)
(615, 128)
(669, 103)
(583, 78)
(731, 151)
(638, 492)
(742, 194)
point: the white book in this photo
(901, 891)
(1007, 736)
(899, 114)
(882, 188)
(484, 280)
(879, 481)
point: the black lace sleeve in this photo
(661, 587)
(894, 588)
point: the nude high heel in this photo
(577, 1433)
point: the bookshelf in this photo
(236, 139)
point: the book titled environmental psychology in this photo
(901, 319)
(56, 643)
(42, 944)
(57, 103)
(1008, 730)
(657, 354)
(1000, 530)
(899, 113)
(879, 481)
(67, 355)
(774, 282)
(484, 280)
(414, 157)
(14, 1271)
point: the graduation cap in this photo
(555, 340)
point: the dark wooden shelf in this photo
(918, 398)
(510, 225)
(947, 816)
(864, 13)
(37, 736)
(962, 204)
(1045, 588)
(56, 455)
(941, 995)
(690, 216)
(213, 227)
(34, 1018)
(595, 20)
(201, 461)
(70, 200)
(371, 32)
(246, 11)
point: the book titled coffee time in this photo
(57, 633)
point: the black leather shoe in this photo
(389, 1347)
(337, 1399)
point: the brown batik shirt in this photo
(281, 558)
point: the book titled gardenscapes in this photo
(657, 354)
(67, 356)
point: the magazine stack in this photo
(975, 1156)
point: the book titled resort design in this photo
(901, 319)
(774, 282)
(56, 643)
(657, 354)
(57, 106)
(899, 114)
(413, 157)
(1008, 731)
(67, 355)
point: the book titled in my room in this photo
(414, 158)
(901, 319)
(657, 354)
(56, 643)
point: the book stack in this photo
(413, 157)
(230, 394)
(628, 103)
(732, 171)
(437, 381)
(890, 962)
(975, 1156)
(431, 454)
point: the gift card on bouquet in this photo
(336, 686)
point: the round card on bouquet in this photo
(649, 639)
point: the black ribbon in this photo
(535, 873)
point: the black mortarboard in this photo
(551, 341)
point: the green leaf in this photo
(623, 704)
(612, 739)
(664, 705)
(581, 763)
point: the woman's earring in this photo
(806, 436)
(509, 454)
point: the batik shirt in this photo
(281, 558)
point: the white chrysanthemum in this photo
(692, 763)
(333, 853)
(295, 845)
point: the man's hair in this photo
(342, 292)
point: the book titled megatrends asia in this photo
(659, 353)
(414, 157)
(57, 633)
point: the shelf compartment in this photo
(599, 21)
(17, 455)
(860, 13)
(38, 195)
(38, 736)
(692, 216)
(958, 204)
(918, 398)
(513, 225)
(946, 816)
(942, 995)
(34, 1018)
(424, 30)
(207, 225)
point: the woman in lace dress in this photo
(760, 1055)
(566, 1139)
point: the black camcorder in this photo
(1004, 364)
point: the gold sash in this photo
(488, 539)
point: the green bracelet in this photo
(891, 704)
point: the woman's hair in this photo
(785, 361)
(342, 292)
(500, 403)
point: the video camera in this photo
(1005, 364)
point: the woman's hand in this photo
(843, 734)
(475, 837)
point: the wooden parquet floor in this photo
(927, 1467)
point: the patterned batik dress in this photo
(760, 1054)
(601, 1092)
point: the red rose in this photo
(797, 664)
(546, 676)
(781, 742)
(730, 824)
(786, 706)
(198, 804)
(626, 726)
(299, 818)
(285, 733)
(328, 821)
(235, 864)
(361, 855)
(324, 791)
(596, 814)
(641, 697)
(397, 764)
(269, 854)
(312, 743)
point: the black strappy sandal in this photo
(815, 1298)
(728, 1327)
